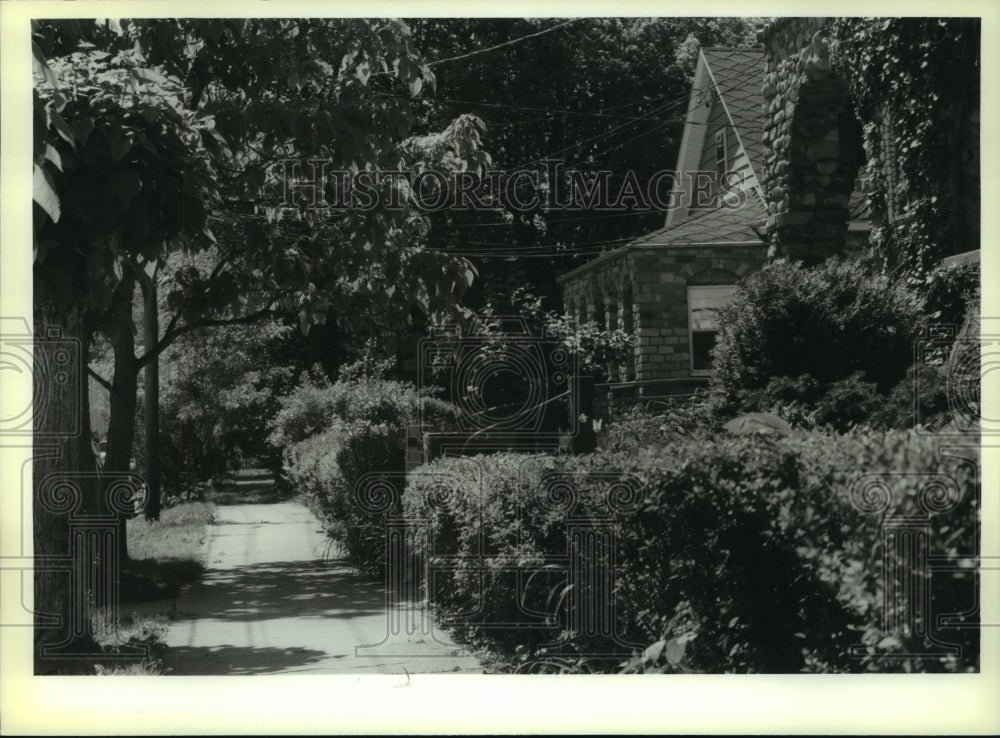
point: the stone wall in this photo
(643, 290)
(811, 158)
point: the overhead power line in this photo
(513, 41)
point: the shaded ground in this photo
(270, 602)
(249, 486)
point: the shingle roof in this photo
(702, 227)
(739, 76)
(712, 225)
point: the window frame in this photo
(721, 163)
(731, 287)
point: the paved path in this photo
(271, 603)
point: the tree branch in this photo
(174, 333)
(101, 381)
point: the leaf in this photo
(44, 193)
(53, 156)
(652, 653)
(890, 642)
(364, 71)
(149, 76)
(431, 79)
(61, 128)
(125, 183)
(675, 649)
(416, 84)
(82, 128)
(41, 66)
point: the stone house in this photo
(663, 288)
(769, 165)
(814, 150)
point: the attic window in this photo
(721, 163)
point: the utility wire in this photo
(655, 111)
(511, 42)
(554, 111)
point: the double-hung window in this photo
(704, 302)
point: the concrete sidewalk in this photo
(270, 602)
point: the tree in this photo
(220, 390)
(598, 94)
(152, 127)
(117, 160)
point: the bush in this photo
(831, 322)
(949, 290)
(750, 554)
(921, 396)
(316, 403)
(327, 469)
(639, 428)
(804, 403)
(335, 435)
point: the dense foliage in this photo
(344, 449)
(794, 331)
(922, 77)
(612, 97)
(949, 291)
(745, 555)
(689, 418)
(219, 393)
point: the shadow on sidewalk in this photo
(236, 660)
(320, 589)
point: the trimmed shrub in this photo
(922, 396)
(315, 403)
(639, 428)
(335, 437)
(750, 554)
(831, 322)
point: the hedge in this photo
(345, 441)
(749, 554)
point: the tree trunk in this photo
(121, 423)
(151, 377)
(64, 485)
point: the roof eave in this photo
(611, 255)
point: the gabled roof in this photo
(737, 75)
(739, 78)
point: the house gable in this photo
(725, 115)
